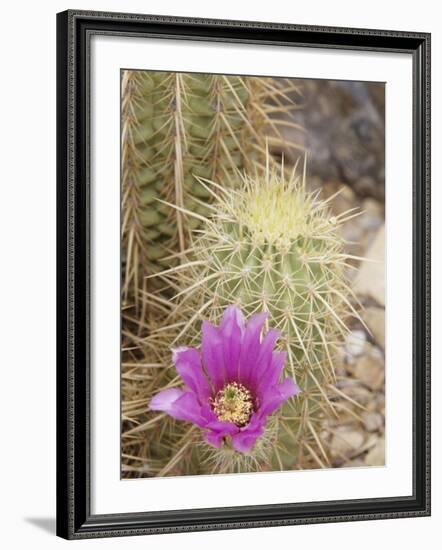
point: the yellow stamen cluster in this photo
(234, 404)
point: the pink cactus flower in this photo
(232, 387)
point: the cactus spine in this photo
(132, 229)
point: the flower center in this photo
(234, 404)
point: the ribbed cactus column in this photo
(134, 236)
(185, 125)
(273, 246)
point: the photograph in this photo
(252, 274)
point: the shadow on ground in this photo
(46, 524)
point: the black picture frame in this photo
(74, 518)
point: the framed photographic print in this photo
(243, 274)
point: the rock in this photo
(368, 223)
(370, 371)
(357, 462)
(346, 441)
(344, 133)
(344, 201)
(380, 402)
(366, 186)
(370, 280)
(361, 395)
(374, 317)
(373, 421)
(376, 455)
(355, 343)
(372, 215)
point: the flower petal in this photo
(245, 439)
(179, 404)
(233, 313)
(188, 365)
(164, 400)
(227, 428)
(218, 430)
(266, 352)
(232, 328)
(213, 355)
(251, 347)
(214, 438)
(276, 395)
(270, 376)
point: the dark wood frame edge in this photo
(74, 519)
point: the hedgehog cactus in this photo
(177, 126)
(272, 246)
